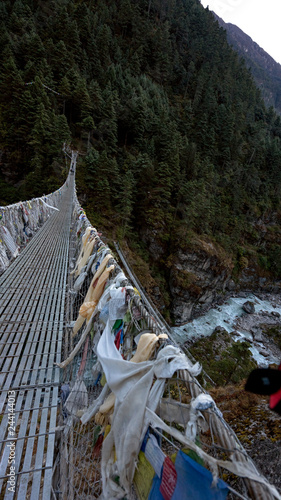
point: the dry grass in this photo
(257, 427)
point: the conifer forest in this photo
(176, 142)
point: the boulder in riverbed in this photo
(248, 307)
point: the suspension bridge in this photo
(55, 384)
(32, 313)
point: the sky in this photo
(260, 19)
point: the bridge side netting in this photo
(133, 414)
(20, 221)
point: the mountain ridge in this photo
(265, 70)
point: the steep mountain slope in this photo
(266, 71)
(180, 155)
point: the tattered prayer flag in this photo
(196, 482)
(143, 477)
(97, 448)
(154, 454)
(169, 479)
(191, 482)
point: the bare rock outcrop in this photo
(198, 277)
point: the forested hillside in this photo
(178, 148)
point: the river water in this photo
(230, 316)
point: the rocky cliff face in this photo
(186, 281)
(199, 276)
(261, 271)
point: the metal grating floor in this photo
(32, 297)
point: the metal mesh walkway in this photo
(32, 296)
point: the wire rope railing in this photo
(135, 422)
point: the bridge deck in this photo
(32, 294)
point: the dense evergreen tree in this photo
(172, 126)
